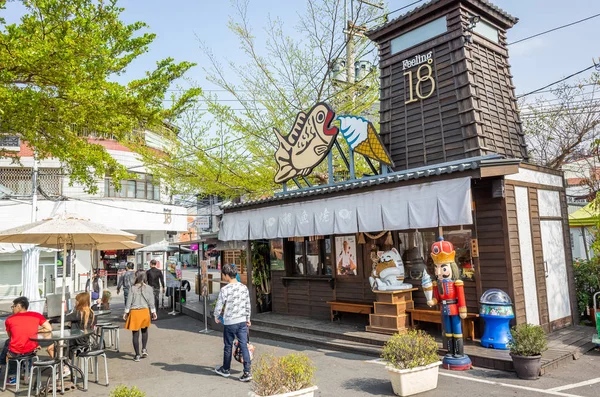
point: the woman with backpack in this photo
(96, 285)
(139, 308)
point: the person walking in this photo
(137, 315)
(96, 285)
(234, 303)
(155, 280)
(126, 281)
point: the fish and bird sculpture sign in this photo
(312, 136)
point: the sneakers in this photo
(12, 381)
(246, 377)
(66, 372)
(223, 372)
(144, 353)
(136, 358)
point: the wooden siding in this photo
(493, 255)
(472, 110)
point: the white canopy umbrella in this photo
(163, 246)
(63, 230)
(29, 275)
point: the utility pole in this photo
(351, 31)
(34, 186)
(349, 42)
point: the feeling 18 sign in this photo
(423, 74)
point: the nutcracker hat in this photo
(442, 252)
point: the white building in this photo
(583, 181)
(141, 206)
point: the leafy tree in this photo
(271, 82)
(58, 68)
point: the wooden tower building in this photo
(446, 88)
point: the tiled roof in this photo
(422, 172)
(483, 4)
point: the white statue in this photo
(388, 275)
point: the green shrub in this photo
(413, 349)
(528, 340)
(124, 391)
(587, 282)
(277, 375)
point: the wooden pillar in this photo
(251, 287)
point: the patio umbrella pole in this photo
(64, 301)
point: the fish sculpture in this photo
(307, 144)
(362, 138)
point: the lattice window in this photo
(19, 180)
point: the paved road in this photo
(182, 360)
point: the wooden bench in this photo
(434, 316)
(349, 307)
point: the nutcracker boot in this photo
(459, 348)
(450, 346)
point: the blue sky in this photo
(534, 63)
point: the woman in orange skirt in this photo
(139, 308)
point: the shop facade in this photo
(453, 163)
(508, 231)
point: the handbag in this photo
(237, 352)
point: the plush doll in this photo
(388, 275)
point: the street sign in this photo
(202, 222)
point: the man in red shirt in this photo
(21, 326)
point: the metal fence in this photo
(19, 180)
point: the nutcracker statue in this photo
(448, 292)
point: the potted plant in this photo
(288, 376)
(124, 391)
(412, 362)
(106, 295)
(526, 348)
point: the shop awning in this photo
(585, 216)
(419, 206)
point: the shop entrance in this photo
(555, 269)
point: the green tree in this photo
(58, 71)
(271, 81)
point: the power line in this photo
(556, 82)
(569, 86)
(554, 29)
(392, 12)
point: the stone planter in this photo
(407, 382)
(308, 392)
(527, 367)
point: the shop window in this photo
(415, 249)
(461, 238)
(311, 256)
(276, 248)
(143, 186)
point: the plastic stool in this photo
(19, 360)
(40, 366)
(86, 357)
(113, 335)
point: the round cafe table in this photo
(100, 313)
(58, 339)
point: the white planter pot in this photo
(407, 382)
(308, 392)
